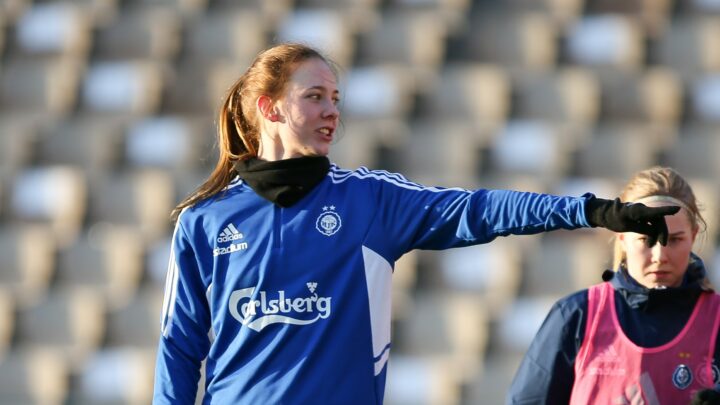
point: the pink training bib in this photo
(611, 369)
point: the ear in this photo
(266, 107)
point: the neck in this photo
(270, 149)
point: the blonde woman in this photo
(648, 334)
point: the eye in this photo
(336, 100)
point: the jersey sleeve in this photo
(185, 324)
(439, 218)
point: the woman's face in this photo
(306, 115)
(660, 265)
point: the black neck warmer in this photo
(284, 182)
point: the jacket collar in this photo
(283, 182)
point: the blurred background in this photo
(107, 121)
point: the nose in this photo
(331, 111)
(658, 253)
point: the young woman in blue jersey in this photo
(281, 262)
(648, 334)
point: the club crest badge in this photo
(682, 377)
(708, 376)
(329, 221)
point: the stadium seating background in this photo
(106, 121)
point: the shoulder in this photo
(339, 175)
(572, 305)
(234, 198)
(382, 178)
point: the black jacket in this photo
(649, 317)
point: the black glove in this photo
(630, 217)
(706, 397)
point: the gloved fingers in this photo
(651, 241)
(654, 219)
(661, 232)
(641, 212)
(655, 231)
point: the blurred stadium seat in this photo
(690, 46)
(197, 89)
(185, 8)
(70, 321)
(700, 6)
(652, 15)
(493, 272)
(415, 40)
(515, 40)
(617, 150)
(116, 376)
(360, 140)
(562, 12)
(107, 259)
(141, 34)
(608, 40)
(453, 326)
(567, 95)
(7, 321)
(2, 30)
(532, 147)
(21, 371)
(126, 87)
(377, 92)
(54, 29)
(477, 93)
(653, 95)
(325, 28)
(694, 151)
(519, 323)
(135, 322)
(55, 195)
(12, 9)
(18, 136)
(446, 153)
(705, 95)
(170, 142)
(234, 36)
(422, 380)
(562, 263)
(40, 87)
(142, 199)
(89, 143)
(27, 260)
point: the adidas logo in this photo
(609, 354)
(229, 234)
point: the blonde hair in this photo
(238, 122)
(661, 183)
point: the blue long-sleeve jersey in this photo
(292, 305)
